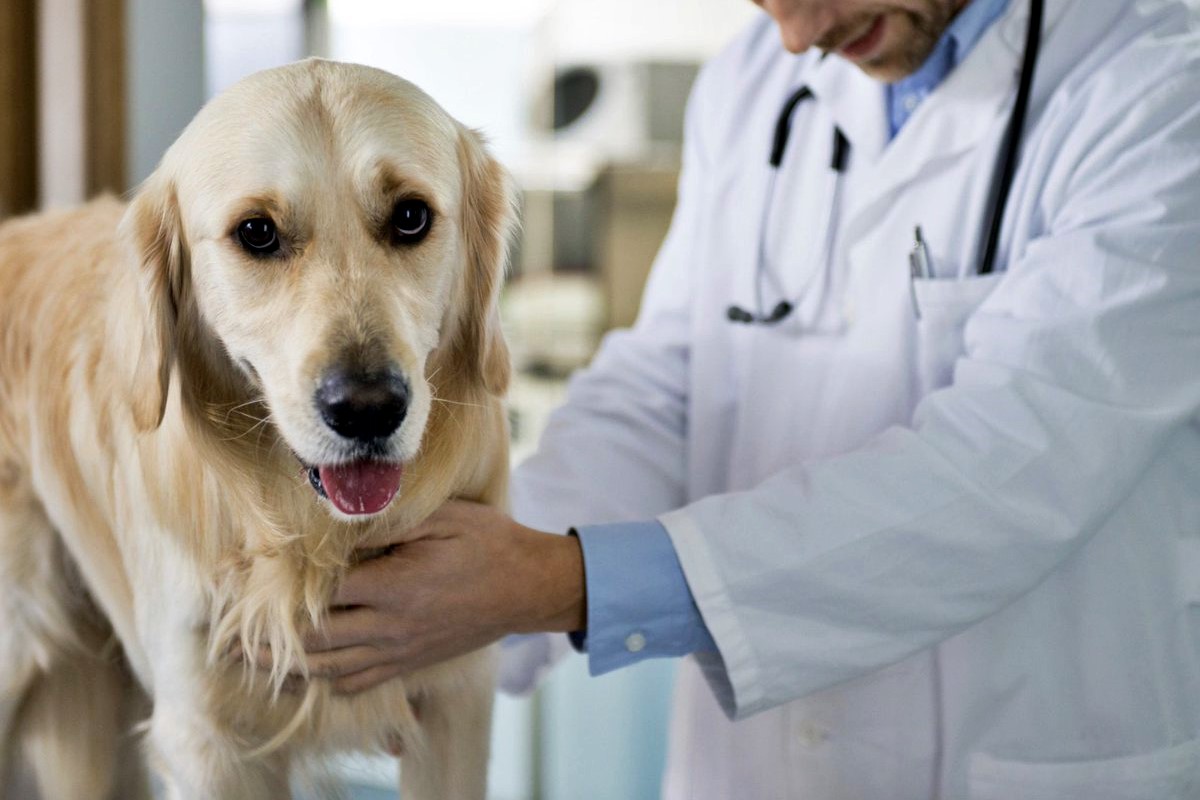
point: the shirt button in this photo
(910, 102)
(635, 642)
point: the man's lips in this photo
(359, 487)
(866, 44)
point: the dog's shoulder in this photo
(50, 244)
(101, 213)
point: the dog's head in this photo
(332, 239)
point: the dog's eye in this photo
(258, 236)
(411, 221)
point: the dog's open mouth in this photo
(359, 487)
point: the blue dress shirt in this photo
(638, 601)
(904, 96)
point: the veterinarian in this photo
(904, 449)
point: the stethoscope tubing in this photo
(1001, 186)
(1013, 136)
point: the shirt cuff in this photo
(638, 602)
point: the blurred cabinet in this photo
(81, 93)
(633, 206)
(105, 96)
(18, 122)
(64, 86)
(605, 738)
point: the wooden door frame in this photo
(105, 106)
(63, 91)
(19, 113)
(82, 111)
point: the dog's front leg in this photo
(451, 758)
(197, 762)
(195, 754)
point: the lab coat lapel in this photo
(954, 118)
(972, 104)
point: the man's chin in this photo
(907, 44)
(885, 71)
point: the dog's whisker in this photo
(239, 406)
(453, 415)
(243, 414)
(271, 453)
(264, 428)
(247, 403)
(259, 426)
(458, 403)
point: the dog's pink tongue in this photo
(362, 487)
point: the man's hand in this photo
(463, 579)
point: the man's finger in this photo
(293, 684)
(264, 658)
(367, 679)
(432, 525)
(347, 661)
(367, 582)
(355, 626)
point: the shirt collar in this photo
(969, 26)
(960, 37)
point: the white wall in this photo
(165, 69)
(62, 113)
(664, 30)
(487, 62)
(242, 37)
(479, 69)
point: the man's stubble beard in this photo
(924, 31)
(924, 36)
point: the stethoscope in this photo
(1002, 178)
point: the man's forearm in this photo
(553, 575)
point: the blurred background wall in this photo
(583, 102)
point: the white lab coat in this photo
(953, 556)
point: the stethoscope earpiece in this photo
(780, 311)
(739, 314)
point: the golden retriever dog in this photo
(284, 350)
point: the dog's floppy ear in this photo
(153, 238)
(489, 221)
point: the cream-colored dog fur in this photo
(156, 388)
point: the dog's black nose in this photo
(364, 406)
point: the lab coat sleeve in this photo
(625, 418)
(1077, 369)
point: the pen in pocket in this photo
(920, 266)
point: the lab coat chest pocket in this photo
(942, 307)
(1171, 773)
